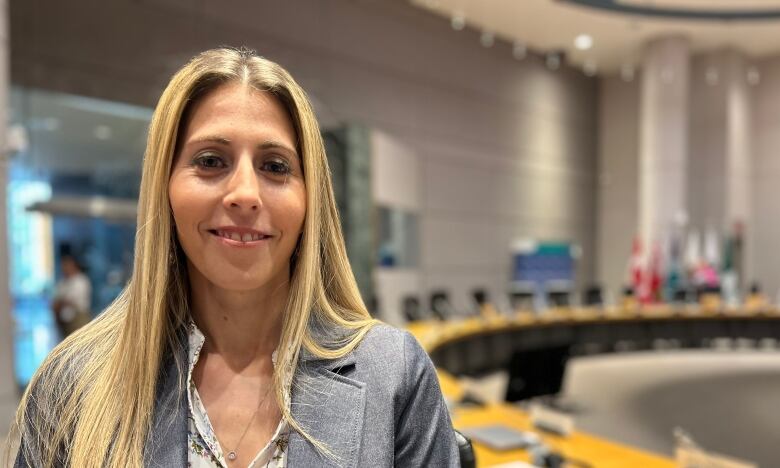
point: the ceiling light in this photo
(667, 75)
(627, 72)
(458, 22)
(102, 132)
(51, 123)
(711, 76)
(583, 42)
(519, 50)
(753, 76)
(590, 68)
(487, 39)
(553, 60)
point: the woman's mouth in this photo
(234, 237)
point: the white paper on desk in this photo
(500, 437)
(687, 457)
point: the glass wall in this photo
(72, 191)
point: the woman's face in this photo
(237, 190)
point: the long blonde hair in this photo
(90, 404)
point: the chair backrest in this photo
(536, 372)
(410, 307)
(681, 295)
(480, 296)
(593, 296)
(558, 298)
(440, 305)
(521, 300)
(466, 451)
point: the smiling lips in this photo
(243, 235)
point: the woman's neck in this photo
(241, 326)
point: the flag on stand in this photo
(674, 273)
(692, 250)
(654, 280)
(712, 248)
(635, 266)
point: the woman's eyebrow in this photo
(275, 145)
(210, 139)
(225, 141)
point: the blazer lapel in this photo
(330, 407)
(166, 445)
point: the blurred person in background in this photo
(72, 297)
(241, 338)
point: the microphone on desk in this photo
(542, 456)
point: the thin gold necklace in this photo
(232, 455)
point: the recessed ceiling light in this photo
(753, 76)
(102, 132)
(590, 68)
(458, 22)
(667, 75)
(553, 60)
(583, 42)
(51, 123)
(627, 72)
(487, 39)
(711, 76)
(519, 50)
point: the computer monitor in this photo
(536, 372)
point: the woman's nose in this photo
(243, 191)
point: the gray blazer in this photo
(378, 406)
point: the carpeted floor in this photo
(729, 401)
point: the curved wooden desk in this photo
(690, 326)
(479, 344)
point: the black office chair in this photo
(440, 305)
(681, 296)
(702, 290)
(467, 457)
(373, 305)
(593, 296)
(537, 372)
(521, 296)
(480, 297)
(410, 307)
(558, 298)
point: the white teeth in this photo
(248, 237)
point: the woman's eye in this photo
(276, 167)
(209, 161)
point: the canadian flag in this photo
(654, 278)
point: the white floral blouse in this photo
(204, 450)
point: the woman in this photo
(241, 339)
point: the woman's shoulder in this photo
(383, 338)
(392, 351)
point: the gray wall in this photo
(618, 166)
(763, 251)
(506, 148)
(708, 140)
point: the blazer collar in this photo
(326, 403)
(166, 444)
(330, 407)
